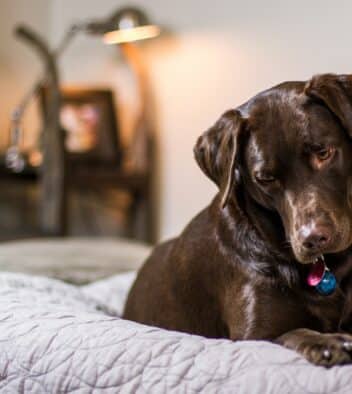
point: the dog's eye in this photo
(264, 178)
(324, 154)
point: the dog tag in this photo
(321, 278)
(328, 283)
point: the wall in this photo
(221, 53)
(19, 66)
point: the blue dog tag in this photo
(327, 285)
(321, 278)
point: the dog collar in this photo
(321, 277)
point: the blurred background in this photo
(130, 113)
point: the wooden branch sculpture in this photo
(53, 174)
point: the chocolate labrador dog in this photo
(249, 266)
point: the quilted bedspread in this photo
(58, 338)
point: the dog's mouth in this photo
(334, 253)
(316, 271)
(321, 278)
(319, 259)
(309, 260)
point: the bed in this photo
(58, 337)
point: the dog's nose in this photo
(316, 238)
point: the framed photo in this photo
(88, 119)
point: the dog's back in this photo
(149, 299)
(173, 288)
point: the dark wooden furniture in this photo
(138, 185)
(20, 188)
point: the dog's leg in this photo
(320, 349)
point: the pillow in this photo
(74, 260)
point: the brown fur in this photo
(239, 268)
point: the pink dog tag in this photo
(316, 273)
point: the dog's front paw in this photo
(328, 349)
(320, 349)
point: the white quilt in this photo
(58, 338)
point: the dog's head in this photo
(288, 151)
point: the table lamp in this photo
(126, 25)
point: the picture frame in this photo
(88, 118)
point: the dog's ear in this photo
(335, 91)
(215, 152)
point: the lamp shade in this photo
(128, 24)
